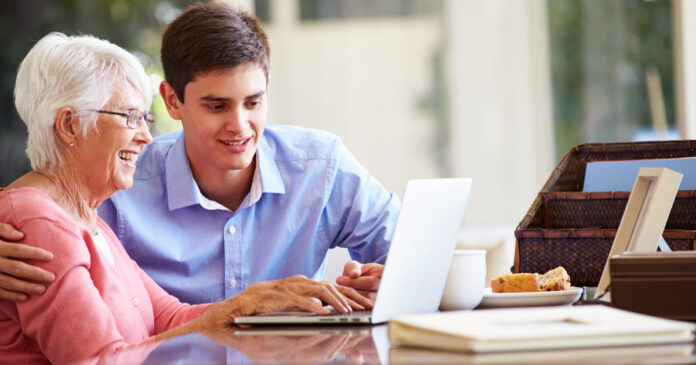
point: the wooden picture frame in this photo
(645, 216)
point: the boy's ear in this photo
(171, 101)
(66, 125)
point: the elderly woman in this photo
(85, 102)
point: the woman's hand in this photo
(297, 292)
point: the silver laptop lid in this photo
(418, 260)
(421, 250)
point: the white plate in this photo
(530, 299)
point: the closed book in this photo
(538, 328)
(682, 353)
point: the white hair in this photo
(76, 71)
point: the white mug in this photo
(466, 280)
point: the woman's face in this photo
(108, 153)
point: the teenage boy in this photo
(231, 201)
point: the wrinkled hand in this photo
(14, 273)
(364, 278)
(297, 292)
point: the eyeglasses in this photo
(133, 117)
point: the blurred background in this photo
(493, 89)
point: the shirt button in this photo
(233, 282)
(135, 302)
(232, 230)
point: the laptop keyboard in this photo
(350, 315)
(355, 317)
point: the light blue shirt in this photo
(309, 194)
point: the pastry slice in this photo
(553, 280)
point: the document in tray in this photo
(538, 328)
(620, 175)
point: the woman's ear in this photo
(171, 101)
(66, 125)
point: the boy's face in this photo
(223, 116)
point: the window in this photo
(612, 70)
(337, 9)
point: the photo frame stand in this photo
(645, 216)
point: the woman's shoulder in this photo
(27, 203)
(44, 224)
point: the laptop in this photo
(418, 261)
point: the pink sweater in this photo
(99, 302)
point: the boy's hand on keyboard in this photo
(364, 278)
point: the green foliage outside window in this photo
(600, 51)
(135, 25)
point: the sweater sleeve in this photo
(70, 321)
(169, 312)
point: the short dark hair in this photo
(211, 36)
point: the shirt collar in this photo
(182, 190)
(267, 170)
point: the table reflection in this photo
(361, 345)
(235, 345)
(305, 345)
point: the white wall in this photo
(500, 104)
(362, 80)
(684, 27)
